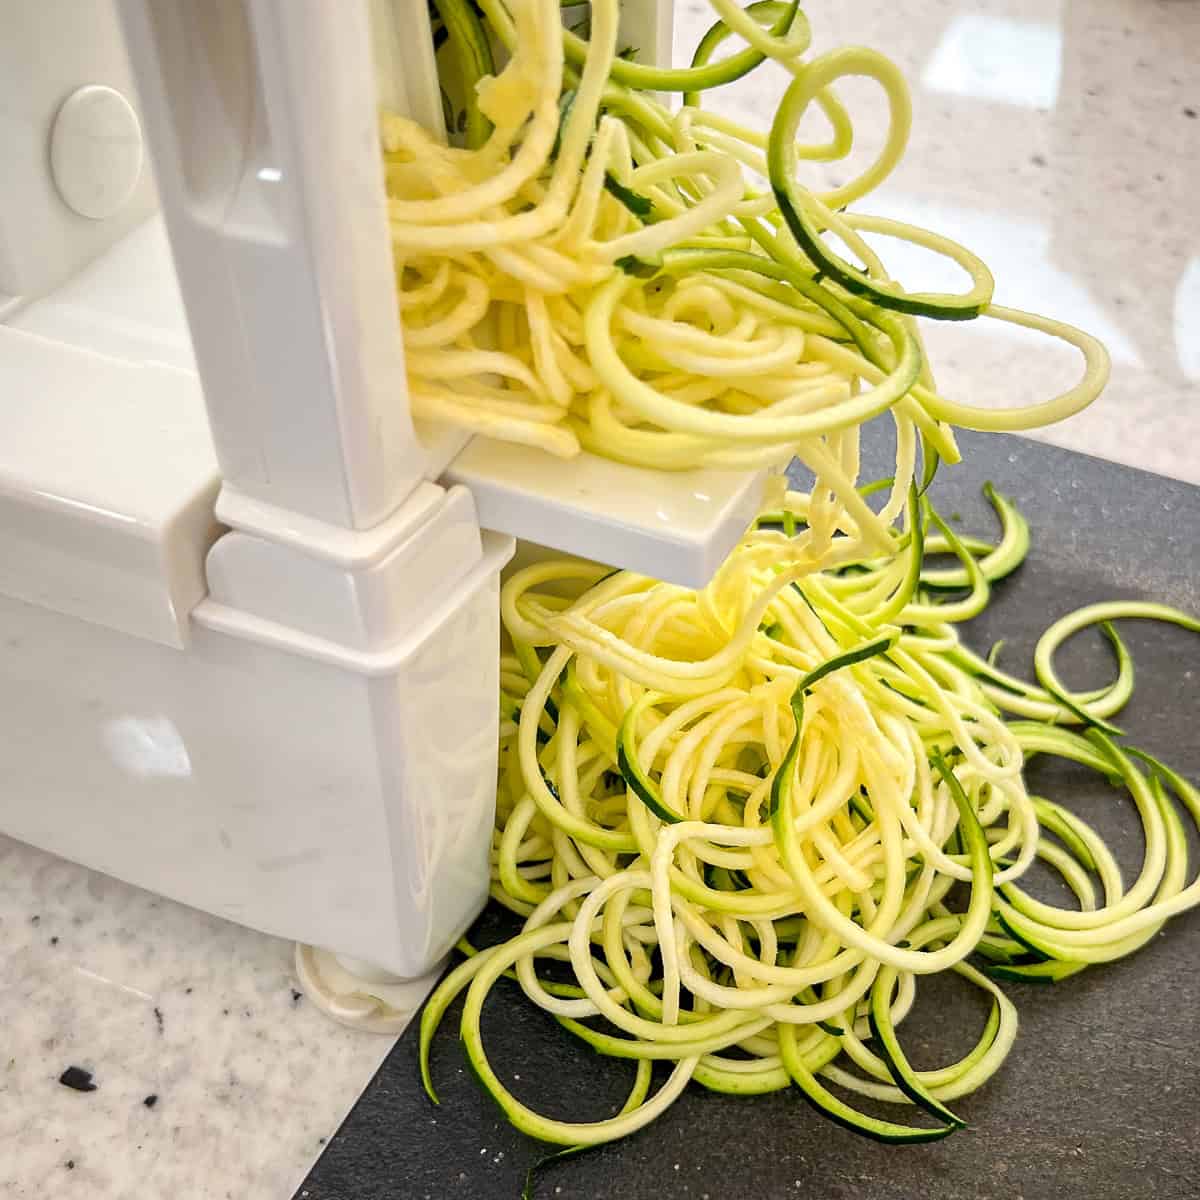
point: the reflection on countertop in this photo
(1060, 140)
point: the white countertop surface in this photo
(1058, 138)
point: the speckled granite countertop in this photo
(213, 1078)
(1061, 140)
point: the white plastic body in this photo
(248, 613)
(346, 805)
(262, 118)
(82, 532)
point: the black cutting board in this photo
(1101, 1095)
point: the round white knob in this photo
(96, 151)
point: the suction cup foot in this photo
(359, 995)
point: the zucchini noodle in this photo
(736, 817)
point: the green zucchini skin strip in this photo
(1037, 973)
(1001, 560)
(1072, 941)
(904, 594)
(641, 206)
(564, 1133)
(471, 47)
(643, 787)
(957, 1079)
(782, 163)
(1062, 824)
(1052, 739)
(958, 610)
(930, 461)
(616, 1047)
(1119, 938)
(638, 781)
(841, 1113)
(1102, 615)
(784, 14)
(637, 1097)
(1187, 793)
(998, 949)
(1015, 695)
(781, 786)
(1091, 720)
(455, 982)
(642, 77)
(907, 368)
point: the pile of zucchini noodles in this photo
(737, 815)
(738, 824)
(594, 270)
